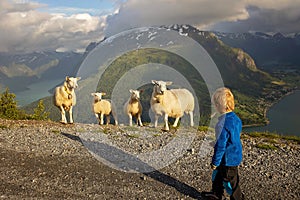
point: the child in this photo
(228, 148)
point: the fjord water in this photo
(36, 91)
(284, 116)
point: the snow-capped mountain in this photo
(19, 71)
(270, 51)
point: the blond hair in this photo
(223, 100)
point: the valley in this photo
(255, 89)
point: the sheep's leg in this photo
(97, 117)
(140, 120)
(166, 122)
(71, 114)
(156, 120)
(176, 122)
(130, 119)
(101, 118)
(63, 115)
(191, 118)
(107, 119)
(114, 114)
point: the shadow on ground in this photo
(129, 163)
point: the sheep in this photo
(102, 107)
(133, 107)
(65, 98)
(171, 103)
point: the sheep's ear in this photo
(154, 82)
(67, 78)
(169, 83)
(93, 94)
(130, 90)
(78, 78)
(103, 93)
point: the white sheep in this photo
(103, 107)
(133, 107)
(171, 103)
(65, 98)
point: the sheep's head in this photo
(71, 82)
(135, 94)
(160, 86)
(98, 96)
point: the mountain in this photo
(270, 52)
(17, 71)
(255, 90)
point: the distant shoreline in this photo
(258, 125)
(267, 108)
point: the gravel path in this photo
(48, 160)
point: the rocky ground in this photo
(48, 160)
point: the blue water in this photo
(284, 116)
(35, 92)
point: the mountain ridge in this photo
(269, 51)
(251, 85)
(255, 89)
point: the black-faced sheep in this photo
(103, 107)
(65, 98)
(171, 103)
(133, 107)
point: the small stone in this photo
(270, 176)
(192, 150)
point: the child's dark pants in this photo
(224, 176)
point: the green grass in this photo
(264, 134)
(3, 126)
(133, 135)
(131, 128)
(272, 137)
(81, 130)
(205, 128)
(266, 146)
(292, 138)
(55, 131)
(106, 131)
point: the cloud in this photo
(229, 15)
(29, 26)
(285, 20)
(24, 28)
(136, 13)
(74, 10)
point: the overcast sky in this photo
(70, 25)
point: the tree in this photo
(8, 106)
(39, 112)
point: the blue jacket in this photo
(228, 147)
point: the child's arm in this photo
(220, 147)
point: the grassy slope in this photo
(251, 86)
(132, 59)
(254, 90)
